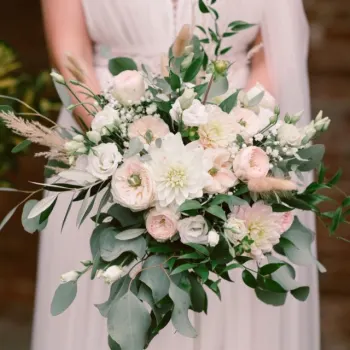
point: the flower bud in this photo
(112, 274)
(273, 119)
(94, 136)
(221, 66)
(319, 116)
(277, 110)
(213, 238)
(187, 61)
(188, 49)
(73, 146)
(70, 276)
(79, 138)
(296, 117)
(58, 78)
(186, 99)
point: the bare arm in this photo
(66, 31)
(259, 71)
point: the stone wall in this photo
(330, 89)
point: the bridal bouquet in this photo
(185, 180)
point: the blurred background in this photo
(23, 72)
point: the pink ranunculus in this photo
(128, 86)
(161, 224)
(154, 126)
(250, 163)
(132, 185)
(222, 176)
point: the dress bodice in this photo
(144, 29)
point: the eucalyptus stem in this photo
(208, 89)
(78, 99)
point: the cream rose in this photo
(132, 185)
(104, 121)
(148, 129)
(128, 87)
(250, 123)
(103, 160)
(222, 177)
(193, 229)
(268, 101)
(289, 134)
(251, 163)
(161, 224)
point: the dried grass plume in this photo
(271, 184)
(182, 40)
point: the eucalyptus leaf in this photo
(179, 316)
(230, 102)
(41, 206)
(154, 276)
(63, 298)
(135, 147)
(120, 64)
(256, 99)
(31, 225)
(184, 267)
(128, 322)
(130, 234)
(199, 299)
(219, 87)
(125, 216)
(113, 345)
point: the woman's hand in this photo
(66, 32)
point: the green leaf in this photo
(225, 50)
(249, 279)
(301, 293)
(120, 64)
(190, 205)
(63, 298)
(199, 248)
(22, 146)
(346, 202)
(155, 277)
(42, 205)
(337, 219)
(83, 208)
(7, 217)
(202, 29)
(218, 88)
(273, 286)
(135, 147)
(216, 14)
(194, 256)
(103, 202)
(335, 179)
(271, 298)
(145, 294)
(198, 295)
(130, 234)
(217, 211)
(31, 225)
(6, 109)
(297, 203)
(128, 322)
(214, 286)
(182, 268)
(202, 271)
(193, 69)
(270, 268)
(111, 248)
(228, 34)
(321, 173)
(231, 101)
(179, 315)
(201, 89)
(230, 200)
(240, 25)
(203, 7)
(113, 345)
(125, 216)
(213, 35)
(313, 155)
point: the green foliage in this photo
(63, 298)
(120, 64)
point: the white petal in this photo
(42, 206)
(78, 176)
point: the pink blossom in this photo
(148, 127)
(161, 224)
(250, 163)
(222, 177)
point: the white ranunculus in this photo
(104, 121)
(289, 134)
(70, 276)
(213, 238)
(193, 229)
(128, 87)
(195, 115)
(94, 136)
(112, 274)
(103, 160)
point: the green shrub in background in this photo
(36, 91)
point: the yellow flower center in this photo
(176, 177)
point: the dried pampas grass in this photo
(271, 184)
(182, 40)
(37, 133)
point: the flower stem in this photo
(208, 89)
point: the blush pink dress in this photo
(143, 30)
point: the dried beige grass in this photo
(182, 40)
(271, 184)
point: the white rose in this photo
(70, 276)
(104, 121)
(103, 160)
(213, 238)
(195, 115)
(94, 136)
(289, 134)
(112, 274)
(128, 86)
(193, 229)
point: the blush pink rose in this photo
(128, 87)
(161, 224)
(222, 176)
(132, 185)
(155, 127)
(251, 163)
